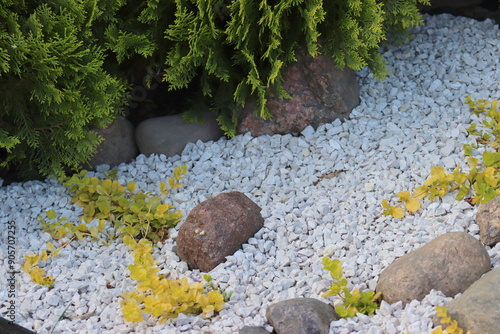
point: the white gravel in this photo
(414, 119)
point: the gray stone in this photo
(118, 145)
(478, 309)
(253, 330)
(169, 135)
(217, 228)
(488, 219)
(320, 91)
(453, 4)
(449, 263)
(301, 315)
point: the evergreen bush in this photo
(233, 49)
(63, 65)
(53, 86)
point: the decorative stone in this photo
(320, 91)
(301, 315)
(253, 330)
(169, 135)
(477, 309)
(118, 145)
(449, 263)
(488, 219)
(217, 228)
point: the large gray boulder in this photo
(478, 309)
(118, 145)
(300, 316)
(449, 263)
(169, 135)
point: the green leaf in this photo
(51, 214)
(104, 206)
(467, 150)
(101, 190)
(131, 186)
(491, 159)
(94, 231)
(163, 187)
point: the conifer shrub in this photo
(64, 65)
(53, 85)
(233, 49)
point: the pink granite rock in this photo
(217, 228)
(321, 93)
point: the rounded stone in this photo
(118, 145)
(169, 135)
(449, 263)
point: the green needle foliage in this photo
(64, 64)
(52, 86)
(239, 48)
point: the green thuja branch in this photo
(483, 176)
(53, 86)
(354, 301)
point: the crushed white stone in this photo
(413, 120)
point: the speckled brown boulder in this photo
(449, 263)
(321, 93)
(488, 219)
(216, 228)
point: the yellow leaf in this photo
(163, 187)
(453, 327)
(162, 208)
(437, 330)
(403, 196)
(446, 320)
(412, 205)
(398, 213)
(437, 173)
(385, 204)
(131, 311)
(131, 186)
(51, 214)
(420, 192)
(441, 311)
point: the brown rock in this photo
(216, 228)
(488, 219)
(478, 309)
(449, 263)
(300, 316)
(321, 93)
(118, 145)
